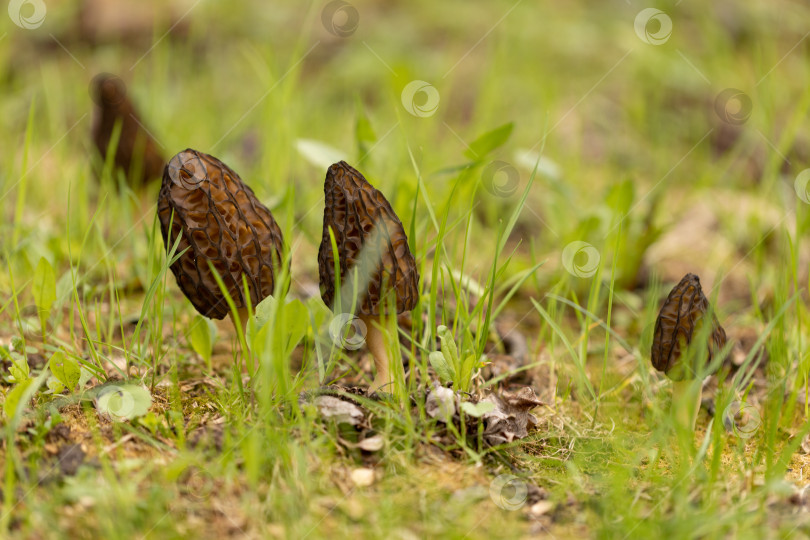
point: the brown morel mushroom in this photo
(222, 224)
(679, 320)
(134, 142)
(373, 255)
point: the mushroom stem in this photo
(244, 315)
(376, 342)
(243, 320)
(686, 396)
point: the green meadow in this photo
(557, 168)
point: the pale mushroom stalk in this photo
(242, 323)
(377, 343)
(244, 315)
(686, 397)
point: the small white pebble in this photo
(363, 477)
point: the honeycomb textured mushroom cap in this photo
(134, 142)
(221, 221)
(359, 215)
(679, 318)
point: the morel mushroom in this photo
(373, 256)
(222, 224)
(136, 152)
(678, 322)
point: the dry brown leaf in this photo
(510, 419)
(441, 402)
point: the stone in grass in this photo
(362, 477)
(374, 443)
(540, 509)
(339, 410)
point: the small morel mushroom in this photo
(678, 323)
(134, 142)
(222, 224)
(373, 256)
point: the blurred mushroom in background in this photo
(136, 152)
